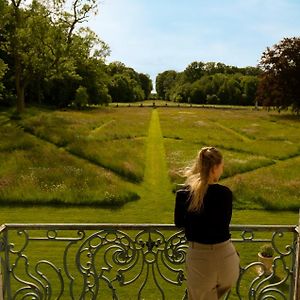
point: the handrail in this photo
(297, 265)
(2, 228)
(93, 226)
(118, 255)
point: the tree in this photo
(198, 93)
(223, 92)
(126, 85)
(81, 97)
(209, 82)
(116, 67)
(235, 91)
(180, 92)
(164, 83)
(119, 88)
(249, 88)
(146, 84)
(3, 68)
(122, 88)
(194, 71)
(95, 78)
(44, 42)
(280, 81)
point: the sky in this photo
(153, 36)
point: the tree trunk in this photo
(20, 88)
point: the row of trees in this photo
(213, 83)
(48, 57)
(274, 82)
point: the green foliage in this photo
(3, 68)
(126, 85)
(212, 99)
(194, 71)
(199, 82)
(81, 97)
(146, 84)
(45, 50)
(266, 250)
(164, 82)
(249, 86)
(120, 89)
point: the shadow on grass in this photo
(288, 117)
(267, 205)
(125, 174)
(114, 203)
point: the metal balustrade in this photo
(130, 261)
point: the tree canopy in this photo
(280, 81)
(210, 82)
(46, 54)
(48, 57)
(126, 85)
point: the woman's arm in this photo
(180, 208)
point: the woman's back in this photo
(210, 225)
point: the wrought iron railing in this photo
(126, 261)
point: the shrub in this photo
(81, 97)
(212, 99)
(266, 250)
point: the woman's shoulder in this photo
(182, 192)
(182, 188)
(221, 188)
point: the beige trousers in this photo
(211, 270)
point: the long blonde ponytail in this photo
(198, 175)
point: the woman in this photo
(204, 209)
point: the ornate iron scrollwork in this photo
(98, 262)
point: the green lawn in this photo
(105, 158)
(120, 165)
(261, 152)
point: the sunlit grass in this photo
(34, 172)
(111, 138)
(124, 157)
(271, 188)
(54, 186)
(226, 130)
(113, 141)
(261, 152)
(181, 154)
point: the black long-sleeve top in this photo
(210, 225)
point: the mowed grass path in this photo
(155, 191)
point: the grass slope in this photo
(36, 172)
(33, 170)
(261, 152)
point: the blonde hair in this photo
(198, 175)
